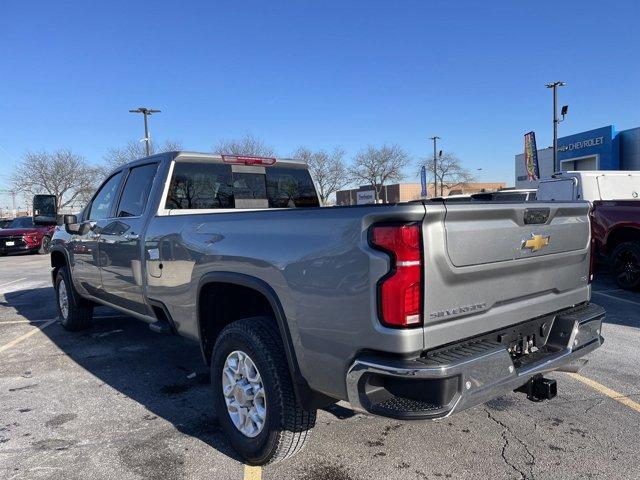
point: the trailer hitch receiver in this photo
(539, 388)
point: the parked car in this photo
(615, 216)
(22, 235)
(616, 235)
(411, 311)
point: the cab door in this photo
(120, 245)
(86, 269)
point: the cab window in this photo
(136, 190)
(104, 199)
(200, 186)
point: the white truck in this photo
(590, 185)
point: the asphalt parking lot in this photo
(119, 401)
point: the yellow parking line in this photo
(13, 343)
(618, 397)
(252, 473)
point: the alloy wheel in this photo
(63, 300)
(244, 393)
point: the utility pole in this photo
(13, 194)
(435, 165)
(556, 120)
(146, 112)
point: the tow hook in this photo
(539, 388)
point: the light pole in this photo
(556, 120)
(145, 112)
(435, 138)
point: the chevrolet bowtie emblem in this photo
(535, 243)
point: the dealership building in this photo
(600, 149)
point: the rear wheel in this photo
(75, 313)
(253, 393)
(625, 263)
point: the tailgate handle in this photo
(536, 216)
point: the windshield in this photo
(21, 222)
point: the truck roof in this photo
(200, 156)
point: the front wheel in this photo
(75, 313)
(625, 262)
(253, 393)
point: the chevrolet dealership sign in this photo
(591, 142)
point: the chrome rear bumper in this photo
(469, 373)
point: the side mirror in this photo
(71, 224)
(45, 209)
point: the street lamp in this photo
(145, 112)
(435, 138)
(556, 120)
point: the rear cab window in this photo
(201, 185)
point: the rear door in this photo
(490, 265)
(120, 237)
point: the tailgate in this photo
(491, 265)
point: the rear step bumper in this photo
(469, 373)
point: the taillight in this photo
(248, 160)
(400, 291)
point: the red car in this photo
(615, 226)
(21, 235)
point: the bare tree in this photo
(378, 165)
(61, 173)
(134, 150)
(449, 172)
(328, 170)
(247, 145)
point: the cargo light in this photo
(248, 160)
(400, 291)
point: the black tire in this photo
(625, 265)
(45, 246)
(287, 426)
(79, 311)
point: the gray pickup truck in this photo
(412, 311)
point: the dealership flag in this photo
(531, 156)
(423, 181)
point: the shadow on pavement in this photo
(622, 306)
(164, 373)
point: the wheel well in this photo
(223, 303)
(621, 235)
(57, 261)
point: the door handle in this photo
(131, 236)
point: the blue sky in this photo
(318, 74)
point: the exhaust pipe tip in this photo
(539, 388)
